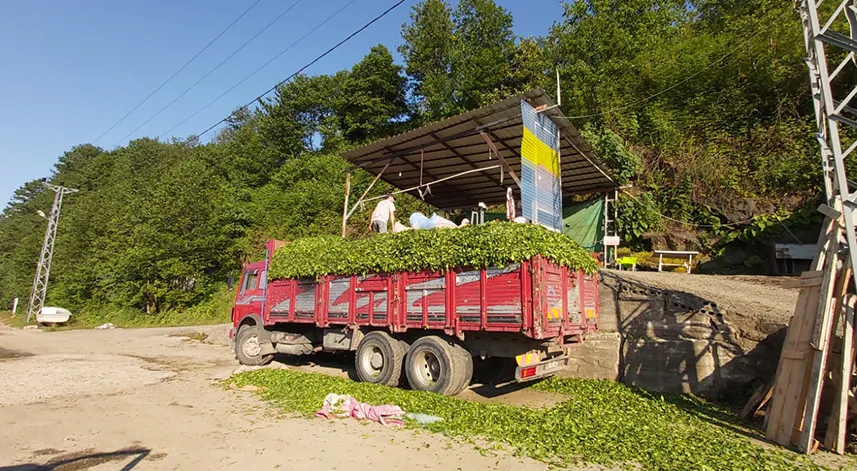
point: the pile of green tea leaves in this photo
(601, 422)
(495, 244)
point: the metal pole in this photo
(43, 270)
(345, 206)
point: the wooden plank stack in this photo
(792, 418)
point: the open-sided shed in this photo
(426, 155)
(470, 158)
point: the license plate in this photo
(554, 364)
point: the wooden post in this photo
(834, 440)
(789, 396)
(345, 206)
(377, 177)
(834, 284)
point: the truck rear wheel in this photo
(464, 366)
(433, 364)
(248, 347)
(379, 358)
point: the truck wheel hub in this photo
(377, 361)
(430, 367)
(251, 346)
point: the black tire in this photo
(432, 364)
(248, 346)
(464, 367)
(378, 359)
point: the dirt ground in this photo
(148, 399)
(756, 306)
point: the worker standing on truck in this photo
(385, 212)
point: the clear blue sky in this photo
(70, 70)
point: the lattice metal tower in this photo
(830, 34)
(43, 271)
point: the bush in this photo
(637, 215)
(216, 309)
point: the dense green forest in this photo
(702, 106)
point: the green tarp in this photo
(584, 222)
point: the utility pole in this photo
(43, 271)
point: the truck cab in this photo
(249, 299)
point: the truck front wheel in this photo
(379, 358)
(248, 347)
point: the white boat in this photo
(53, 315)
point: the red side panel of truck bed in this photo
(536, 298)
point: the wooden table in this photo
(675, 254)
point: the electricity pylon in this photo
(43, 271)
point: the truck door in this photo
(251, 293)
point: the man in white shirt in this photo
(385, 212)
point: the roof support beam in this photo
(360, 200)
(442, 181)
(409, 176)
(590, 160)
(413, 149)
(467, 160)
(493, 148)
(421, 170)
(569, 155)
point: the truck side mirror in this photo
(231, 281)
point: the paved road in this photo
(144, 399)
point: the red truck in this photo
(435, 326)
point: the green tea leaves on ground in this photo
(600, 422)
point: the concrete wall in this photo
(597, 357)
(672, 341)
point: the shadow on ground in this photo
(89, 459)
(504, 391)
(334, 364)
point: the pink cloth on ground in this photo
(346, 406)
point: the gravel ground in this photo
(147, 399)
(42, 378)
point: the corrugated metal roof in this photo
(455, 145)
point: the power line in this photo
(686, 79)
(308, 65)
(230, 56)
(178, 71)
(259, 69)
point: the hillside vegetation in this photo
(703, 106)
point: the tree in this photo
(457, 60)
(372, 98)
(428, 54)
(484, 48)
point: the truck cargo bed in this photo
(536, 298)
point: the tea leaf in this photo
(494, 244)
